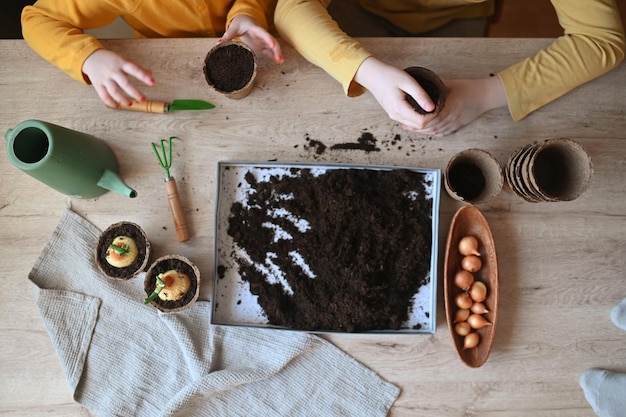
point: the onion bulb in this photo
(471, 341)
(478, 291)
(461, 315)
(479, 308)
(469, 246)
(476, 321)
(471, 263)
(463, 279)
(462, 329)
(463, 300)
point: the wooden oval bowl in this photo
(469, 221)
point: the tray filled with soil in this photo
(326, 248)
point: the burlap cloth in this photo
(123, 358)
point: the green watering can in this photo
(71, 162)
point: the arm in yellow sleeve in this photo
(307, 26)
(592, 44)
(260, 10)
(53, 29)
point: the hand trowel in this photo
(152, 106)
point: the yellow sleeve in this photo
(259, 10)
(592, 44)
(53, 29)
(307, 26)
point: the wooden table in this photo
(562, 265)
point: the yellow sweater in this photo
(592, 43)
(53, 28)
(419, 16)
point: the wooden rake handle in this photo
(182, 232)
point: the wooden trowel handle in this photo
(147, 106)
(182, 232)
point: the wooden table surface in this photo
(562, 265)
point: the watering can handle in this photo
(180, 223)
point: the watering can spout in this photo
(112, 181)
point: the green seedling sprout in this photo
(119, 249)
(159, 286)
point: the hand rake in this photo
(182, 233)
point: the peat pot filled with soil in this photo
(123, 251)
(230, 68)
(172, 283)
(433, 86)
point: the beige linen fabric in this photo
(123, 358)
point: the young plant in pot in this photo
(172, 283)
(123, 251)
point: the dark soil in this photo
(124, 229)
(229, 68)
(367, 143)
(368, 247)
(433, 86)
(167, 265)
(317, 145)
(467, 180)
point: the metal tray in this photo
(234, 304)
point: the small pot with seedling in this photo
(172, 283)
(123, 251)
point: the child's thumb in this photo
(230, 34)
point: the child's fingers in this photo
(422, 98)
(131, 91)
(230, 34)
(106, 97)
(128, 89)
(140, 73)
(121, 89)
(112, 95)
(270, 47)
(275, 54)
(411, 120)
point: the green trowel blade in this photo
(189, 105)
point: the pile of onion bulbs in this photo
(470, 299)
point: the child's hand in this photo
(244, 27)
(466, 101)
(109, 73)
(389, 85)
